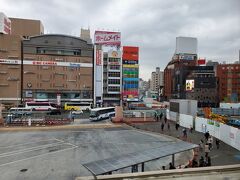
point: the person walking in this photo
(184, 133)
(208, 163)
(168, 126)
(162, 126)
(161, 115)
(206, 150)
(210, 142)
(217, 143)
(207, 135)
(201, 145)
(177, 126)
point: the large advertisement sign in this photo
(5, 24)
(98, 57)
(130, 53)
(189, 85)
(107, 38)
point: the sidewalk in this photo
(225, 155)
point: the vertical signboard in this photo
(98, 75)
(189, 85)
(58, 99)
(5, 24)
(98, 57)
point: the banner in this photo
(130, 53)
(107, 38)
(98, 57)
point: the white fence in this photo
(228, 134)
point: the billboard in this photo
(186, 45)
(189, 85)
(107, 38)
(98, 57)
(201, 61)
(130, 53)
(114, 54)
(5, 24)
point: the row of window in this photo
(114, 81)
(230, 67)
(113, 74)
(113, 60)
(113, 88)
(75, 52)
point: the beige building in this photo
(54, 66)
(156, 82)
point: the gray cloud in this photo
(152, 25)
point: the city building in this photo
(130, 73)
(156, 83)
(34, 66)
(202, 85)
(112, 78)
(229, 82)
(177, 70)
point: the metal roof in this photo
(126, 160)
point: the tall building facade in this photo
(177, 70)
(157, 82)
(130, 73)
(202, 85)
(229, 82)
(112, 78)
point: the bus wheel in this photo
(72, 109)
(34, 109)
(49, 109)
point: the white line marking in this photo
(36, 156)
(66, 142)
(26, 143)
(30, 149)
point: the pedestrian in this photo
(201, 162)
(165, 119)
(210, 142)
(217, 143)
(168, 126)
(194, 163)
(206, 149)
(207, 135)
(171, 166)
(163, 167)
(184, 133)
(177, 126)
(162, 126)
(191, 129)
(161, 115)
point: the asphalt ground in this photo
(59, 154)
(225, 155)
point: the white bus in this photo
(76, 106)
(20, 111)
(101, 113)
(41, 106)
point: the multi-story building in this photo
(157, 84)
(112, 78)
(229, 82)
(130, 73)
(177, 70)
(202, 85)
(34, 66)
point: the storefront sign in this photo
(107, 38)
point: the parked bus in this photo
(102, 113)
(20, 111)
(41, 106)
(75, 106)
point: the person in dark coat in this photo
(171, 166)
(201, 162)
(207, 135)
(217, 143)
(162, 126)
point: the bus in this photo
(76, 106)
(20, 111)
(101, 113)
(41, 106)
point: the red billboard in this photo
(130, 53)
(98, 57)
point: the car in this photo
(77, 112)
(54, 112)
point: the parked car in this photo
(77, 112)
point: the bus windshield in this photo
(93, 114)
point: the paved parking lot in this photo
(60, 154)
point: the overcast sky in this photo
(153, 25)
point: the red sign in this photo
(98, 57)
(107, 38)
(130, 53)
(201, 61)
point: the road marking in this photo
(66, 142)
(49, 153)
(30, 149)
(26, 143)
